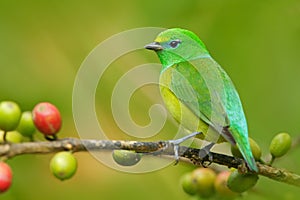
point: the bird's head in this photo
(177, 45)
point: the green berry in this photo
(188, 184)
(26, 126)
(10, 114)
(221, 185)
(204, 179)
(11, 136)
(280, 144)
(126, 158)
(63, 165)
(256, 151)
(241, 182)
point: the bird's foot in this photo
(205, 151)
(177, 142)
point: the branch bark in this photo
(9, 150)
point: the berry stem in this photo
(31, 138)
(262, 161)
(4, 136)
(272, 160)
(51, 137)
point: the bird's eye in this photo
(175, 43)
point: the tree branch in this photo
(9, 150)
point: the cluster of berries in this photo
(207, 183)
(16, 126)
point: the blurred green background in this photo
(43, 43)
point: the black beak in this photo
(155, 46)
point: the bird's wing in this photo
(185, 92)
(203, 96)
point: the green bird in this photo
(198, 92)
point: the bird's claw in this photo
(176, 154)
(177, 142)
(205, 151)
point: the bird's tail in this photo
(245, 149)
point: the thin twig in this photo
(9, 150)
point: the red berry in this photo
(46, 118)
(5, 177)
(221, 185)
